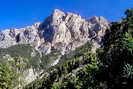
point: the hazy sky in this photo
(20, 13)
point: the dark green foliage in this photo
(114, 56)
(7, 76)
(129, 17)
(127, 42)
(117, 55)
(77, 52)
(128, 71)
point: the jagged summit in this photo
(61, 31)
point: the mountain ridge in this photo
(60, 27)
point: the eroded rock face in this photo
(14, 36)
(66, 29)
(72, 30)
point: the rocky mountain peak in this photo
(68, 29)
(61, 31)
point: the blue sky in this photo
(20, 13)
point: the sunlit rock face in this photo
(13, 36)
(62, 31)
(70, 30)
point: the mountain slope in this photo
(61, 37)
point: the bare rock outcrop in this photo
(71, 30)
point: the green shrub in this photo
(128, 71)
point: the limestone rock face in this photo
(70, 30)
(13, 36)
(61, 31)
